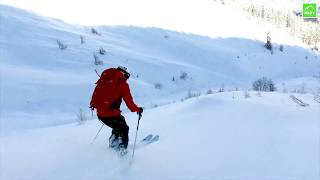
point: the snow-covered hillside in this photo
(218, 136)
(42, 85)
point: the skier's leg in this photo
(114, 139)
(123, 132)
(119, 128)
(112, 122)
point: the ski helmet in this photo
(124, 70)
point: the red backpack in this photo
(102, 97)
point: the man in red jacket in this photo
(111, 88)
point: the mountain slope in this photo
(43, 86)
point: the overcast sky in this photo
(181, 15)
(196, 16)
(114, 12)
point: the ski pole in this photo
(135, 139)
(97, 134)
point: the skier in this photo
(107, 97)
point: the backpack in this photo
(102, 96)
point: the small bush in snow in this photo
(102, 51)
(158, 86)
(183, 75)
(192, 94)
(61, 45)
(81, 117)
(246, 94)
(263, 84)
(281, 48)
(82, 39)
(209, 91)
(233, 95)
(97, 61)
(94, 31)
(221, 89)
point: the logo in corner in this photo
(309, 10)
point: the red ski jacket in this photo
(121, 91)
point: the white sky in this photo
(114, 12)
(195, 16)
(180, 15)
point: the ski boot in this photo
(122, 147)
(122, 150)
(114, 142)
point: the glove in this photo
(140, 111)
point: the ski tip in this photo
(156, 138)
(147, 138)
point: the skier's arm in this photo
(126, 94)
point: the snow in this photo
(217, 136)
(49, 86)
(209, 137)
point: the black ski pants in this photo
(119, 127)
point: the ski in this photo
(154, 139)
(149, 139)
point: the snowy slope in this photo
(218, 136)
(42, 85)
